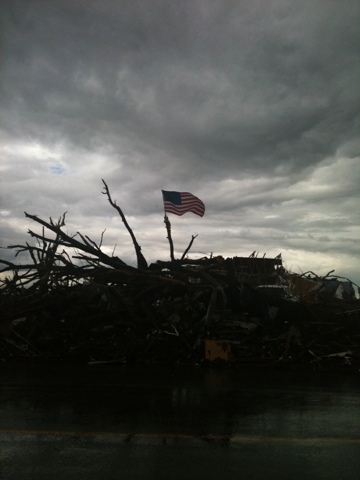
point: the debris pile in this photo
(73, 303)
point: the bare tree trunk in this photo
(168, 229)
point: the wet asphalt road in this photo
(175, 423)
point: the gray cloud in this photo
(251, 105)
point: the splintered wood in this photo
(69, 301)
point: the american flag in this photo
(182, 202)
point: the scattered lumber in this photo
(71, 302)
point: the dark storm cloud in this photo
(253, 84)
(252, 105)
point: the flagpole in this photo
(180, 203)
(168, 229)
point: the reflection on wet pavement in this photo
(180, 415)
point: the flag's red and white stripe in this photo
(182, 202)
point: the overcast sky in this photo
(253, 106)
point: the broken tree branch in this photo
(141, 262)
(68, 241)
(189, 246)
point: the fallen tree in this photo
(73, 302)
